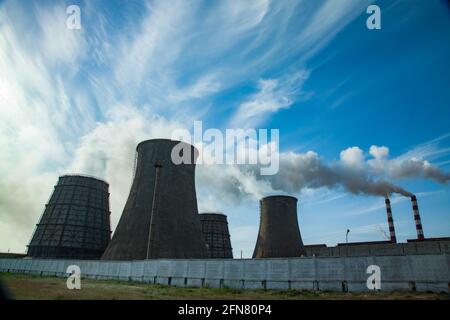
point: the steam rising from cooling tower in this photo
(279, 234)
(160, 218)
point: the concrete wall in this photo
(405, 272)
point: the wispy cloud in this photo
(430, 150)
(272, 96)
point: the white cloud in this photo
(379, 152)
(60, 44)
(352, 157)
(204, 86)
(272, 96)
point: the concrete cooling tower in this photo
(279, 234)
(75, 223)
(216, 235)
(160, 218)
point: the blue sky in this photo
(80, 100)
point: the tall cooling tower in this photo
(75, 223)
(160, 218)
(279, 234)
(216, 235)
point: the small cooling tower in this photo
(216, 235)
(160, 218)
(279, 234)
(75, 223)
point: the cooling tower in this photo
(216, 235)
(279, 234)
(160, 218)
(75, 223)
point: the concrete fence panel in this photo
(137, 270)
(103, 270)
(330, 273)
(214, 273)
(196, 273)
(114, 270)
(431, 273)
(179, 271)
(277, 274)
(125, 271)
(302, 273)
(233, 272)
(150, 271)
(163, 271)
(255, 274)
(5, 265)
(396, 273)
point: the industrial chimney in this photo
(417, 220)
(160, 218)
(279, 234)
(75, 223)
(390, 220)
(216, 235)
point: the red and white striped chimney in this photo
(390, 220)
(417, 218)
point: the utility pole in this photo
(158, 165)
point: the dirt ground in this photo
(27, 287)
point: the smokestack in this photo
(390, 220)
(417, 220)
(279, 234)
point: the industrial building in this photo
(75, 223)
(216, 235)
(160, 218)
(381, 248)
(418, 246)
(279, 234)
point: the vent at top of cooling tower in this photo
(279, 234)
(160, 218)
(75, 223)
(216, 235)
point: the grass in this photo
(29, 287)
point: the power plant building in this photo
(75, 223)
(216, 235)
(160, 218)
(279, 233)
